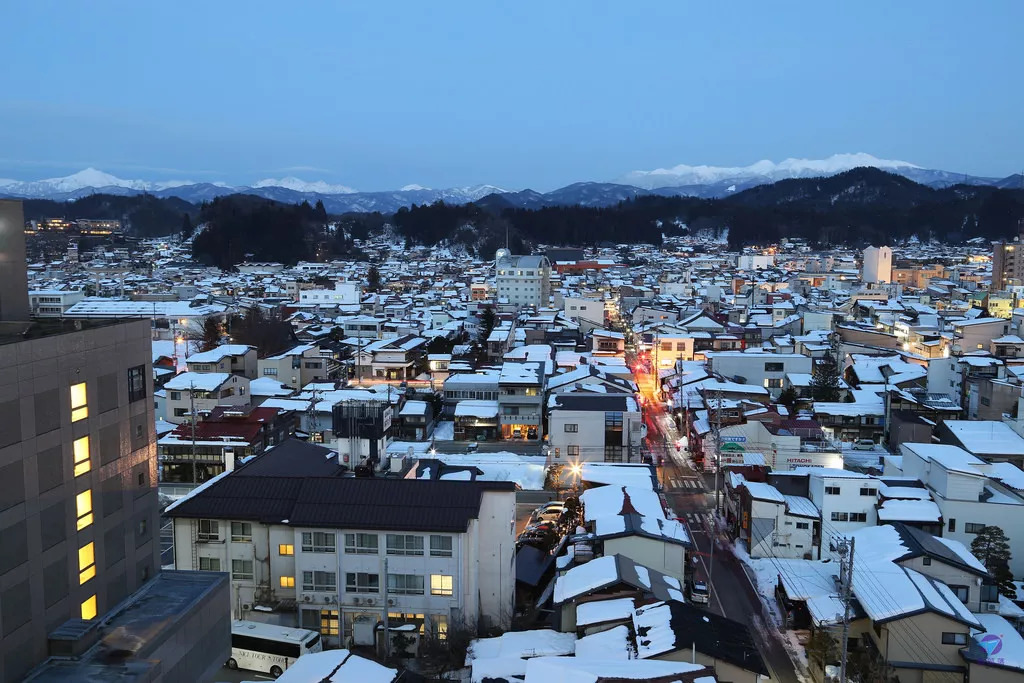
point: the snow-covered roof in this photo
(909, 511)
(217, 354)
(200, 381)
(535, 643)
(476, 408)
(601, 611)
(996, 642)
(337, 665)
(986, 437)
(762, 491)
(612, 644)
(587, 670)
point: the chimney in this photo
(13, 268)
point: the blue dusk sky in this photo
(377, 95)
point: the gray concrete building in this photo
(78, 501)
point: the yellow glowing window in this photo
(83, 504)
(287, 582)
(440, 584)
(79, 407)
(86, 563)
(89, 608)
(285, 549)
(80, 450)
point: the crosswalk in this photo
(694, 485)
(697, 521)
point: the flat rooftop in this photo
(132, 632)
(12, 332)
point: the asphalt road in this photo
(690, 495)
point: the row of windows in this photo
(326, 541)
(864, 491)
(365, 582)
(849, 517)
(480, 395)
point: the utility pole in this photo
(192, 411)
(387, 625)
(846, 579)
(718, 443)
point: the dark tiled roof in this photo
(342, 502)
(294, 458)
(922, 543)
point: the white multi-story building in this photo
(970, 493)
(307, 547)
(766, 370)
(51, 303)
(594, 427)
(877, 267)
(344, 293)
(522, 280)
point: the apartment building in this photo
(521, 400)
(293, 533)
(296, 367)
(1007, 265)
(594, 427)
(522, 280)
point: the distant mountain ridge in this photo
(706, 182)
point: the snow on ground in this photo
(444, 431)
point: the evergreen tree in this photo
(187, 229)
(319, 211)
(788, 398)
(825, 376)
(992, 548)
(373, 279)
(487, 322)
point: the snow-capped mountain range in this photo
(699, 181)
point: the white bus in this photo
(269, 648)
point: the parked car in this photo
(699, 592)
(864, 445)
(517, 433)
(550, 515)
(531, 433)
(470, 448)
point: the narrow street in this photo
(690, 495)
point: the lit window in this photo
(83, 504)
(89, 608)
(79, 409)
(440, 584)
(286, 549)
(86, 563)
(329, 622)
(80, 449)
(287, 582)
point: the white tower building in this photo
(877, 266)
